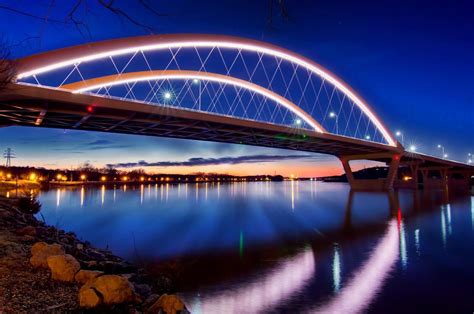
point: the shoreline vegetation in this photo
(46, 269)
(29, 176)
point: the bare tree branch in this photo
(110, 6)
(282, 10)
(79, 10)
(3, 7)
(79, 24)
(7, 67)
(151, 9)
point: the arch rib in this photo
(75, 55)
(131, 77)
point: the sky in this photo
(412, 61)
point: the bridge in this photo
(214, 88)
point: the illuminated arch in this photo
(132, 77)
(49, 61)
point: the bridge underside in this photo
(41, 107)
(23, 105)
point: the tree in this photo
(7, 68)
(79, 10)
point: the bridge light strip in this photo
(133, 77)
(242, 45)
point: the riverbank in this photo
(44, 269)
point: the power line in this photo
(9, 154)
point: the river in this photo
(285, 247)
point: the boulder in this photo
(38, 247)
(63, 267)
(114, 289)
(88, 298)
(83, 276)
(28, 230)
(169, 304)
(41, 251)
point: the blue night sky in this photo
(413, 61)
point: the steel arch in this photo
(42, 63)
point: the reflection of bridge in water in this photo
(293, 274)
(213, 88)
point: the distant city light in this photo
(83, 177)
(32, 177)
(103, 178)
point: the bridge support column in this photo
(459, 179)
(435, 182)
(381, 184)
(408, 181)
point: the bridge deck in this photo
(26, 105)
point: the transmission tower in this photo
(8, 154)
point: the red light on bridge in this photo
(396, 157)
(91, 108)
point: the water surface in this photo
(294, 247)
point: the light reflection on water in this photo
(283, 246)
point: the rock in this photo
(63, 267)
(5, 214)
(114, 289)
(80, 246)
(83, 276)
(38, 247)
(28, 238)
(169, 304)
(41, 251)
(143, 289)
(28, 230)
(150, 301)
(88, 298)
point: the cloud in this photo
(199, 161)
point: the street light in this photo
(333, 115)
(469, 158)
(400, 134)
(167, 96)
(442, 149)
(367, 137)
(412, 148)
(298, 121)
